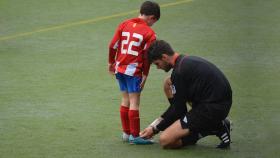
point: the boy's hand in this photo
(142, 84)
(111, 69)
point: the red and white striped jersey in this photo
(128, 48)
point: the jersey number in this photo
(131, 43)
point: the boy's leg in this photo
(124, 111)
(130, 87)
(124, 107)
(134, 120)
(134, 91)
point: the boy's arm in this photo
(146, 64)
(113, 47)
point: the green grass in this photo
(57, 99)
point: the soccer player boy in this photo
(129, 62)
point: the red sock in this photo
(134, 122)
(124, 119)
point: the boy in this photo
(128, 61)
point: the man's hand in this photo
(147, 133)
(151, 130)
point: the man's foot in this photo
(139, 140)
(224, 135)
(125, 137)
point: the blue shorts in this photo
(130, 84)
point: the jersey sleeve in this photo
(146, 64)
(114, 44)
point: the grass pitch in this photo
(57, 99)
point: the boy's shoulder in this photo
(132, 20)
(142, 26)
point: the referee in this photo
(196, 81)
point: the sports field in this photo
(57, 99)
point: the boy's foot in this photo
(125, 137)
(139, 140)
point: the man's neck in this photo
(174, 57)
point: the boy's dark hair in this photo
(150, 8)
(158, 48)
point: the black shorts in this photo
(203, 118)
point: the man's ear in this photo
(164, 57)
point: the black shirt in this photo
(198, 81)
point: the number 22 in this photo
(131, 43)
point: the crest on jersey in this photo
(185, 119)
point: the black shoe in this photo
(224, 135)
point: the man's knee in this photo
(164, 141)
(167, 82)
(171, 137)
(167, 87)
(167, 142)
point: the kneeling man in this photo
(196, 81)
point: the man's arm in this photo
(177, 106)
(172, 114)
(161, 123)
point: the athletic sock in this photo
(134, 122)
(171, 101)
(125, 119)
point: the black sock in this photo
(171, 101)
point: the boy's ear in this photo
(153, 17)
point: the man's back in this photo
(202, 80)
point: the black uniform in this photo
(200, 82)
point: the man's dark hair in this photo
(150, 8)
(158, 48)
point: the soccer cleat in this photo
(139, 140)
(125, 137)
(224, 135)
